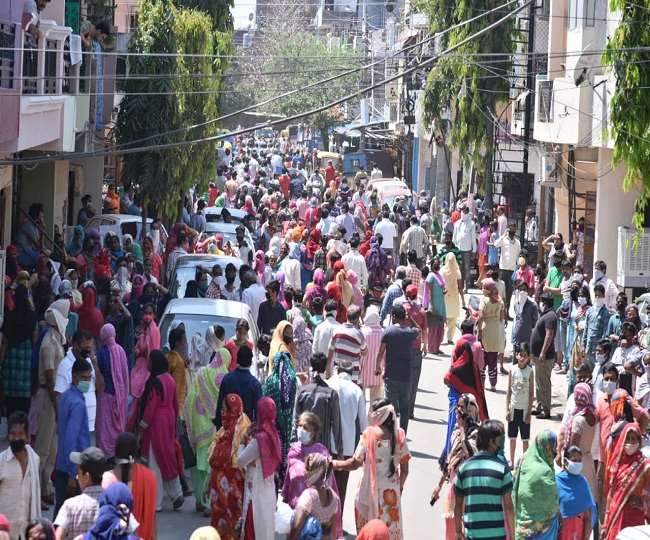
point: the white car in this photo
(121, 224)
(197, 314)
(186, 265)
(213, 214)
(228, 231)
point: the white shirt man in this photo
(611, 290)
(253, 296)
(325, 225)
(502, 224)
(352, 404)
(388, 231)
(465, 233)
(64, 380)
(353, 260)
(291, 269)
(324, 332)
(20, 491)
(376, 173)
(510, 249)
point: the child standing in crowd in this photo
(519, 400)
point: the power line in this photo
(298, 116)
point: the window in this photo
(590, 12)
(573, 14)
(30, 65)
(7, 44)
(545, 101)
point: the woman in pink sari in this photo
(148, 340)
(111, 403)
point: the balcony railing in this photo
(30, 64)
(7, 57)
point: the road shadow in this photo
(423, 455)
(427, 408)
(425, 391)
(430, 421)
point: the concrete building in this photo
(571, 119)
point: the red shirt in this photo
(416, 312)
(233, 349)
(284, 181)
(330, 173)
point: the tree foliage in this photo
(281, 62)
(186, 95)
(464, 82)
(629, 115)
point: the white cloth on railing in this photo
(75, 49)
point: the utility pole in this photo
(528, 115)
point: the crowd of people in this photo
(107, 417)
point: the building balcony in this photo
(558, 116)
(43, 103)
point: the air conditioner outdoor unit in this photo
(633, 260)
(551, 173)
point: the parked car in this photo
(186, 265)
(197, 314)
(122, 224)
(227, 230)
(213, 214)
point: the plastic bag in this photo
(283, 517)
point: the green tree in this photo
(629, 115)
(464, 81)
(218, 10)
(187, 95)
(289, 61)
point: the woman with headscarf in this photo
(318, 500)
(249, 206)
(141, 481)
(19, 333)
(357, 295)
(282, 341)
(261, 458)
(72, 275)
(259, 267)
(463, 446)
(315, 289)
(201, 400)
(628, 479)
(122, 282)
(463, 377)
(433, 299)
(577, 504)
(535, 495)
(40, 529)
(227, 478)
(302, 341)
(375, 529)
(77, 242)
(132, 247)
(205, 533)
(148, 340)
(281, 386)
(42, 295)
(90, 318)
(156, 260)
(111, 403)
(307, 258)
(491, 327)
(155, 414)
(372, 332)
(581, 430)
(384, 455)
(113, 519)
(377, 264)
(453, 297)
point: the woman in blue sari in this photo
(577, 505)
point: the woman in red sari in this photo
(90, 318)
(148, 340)
(227, 479)
(628, 493)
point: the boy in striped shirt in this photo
(483, 489)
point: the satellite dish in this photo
(584, 66)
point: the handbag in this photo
(189, 458)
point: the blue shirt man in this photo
(72, 429)
(240, 382)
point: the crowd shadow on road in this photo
(423, 455)
(430, 421)
(426, 407)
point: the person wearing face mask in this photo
(628, 357)
(525, 314)
(82, 349)
(642, 392)
(484, 485)
(535, 492)
(464, 238)
(577, 504)
(627, 483)
(600, 278)
(148, 340)
(20, 488)
(72, 430)
(543, 350)
(596, 322)
(510, 248)
(617, 318)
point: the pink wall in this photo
(55, 11)
(11, 10)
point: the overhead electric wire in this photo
(304, 114)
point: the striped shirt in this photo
(483, 480)
(347, 344)
(372, 334)
(413, 273)
(415, 238)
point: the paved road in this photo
(426, 437)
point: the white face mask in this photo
(631, 448)
(582, 301)
(304, 436)
(598, 274)
(599, 302)
(600, 358)
(573, 467)
(466, 217)
(609, 387)
(523, 296)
